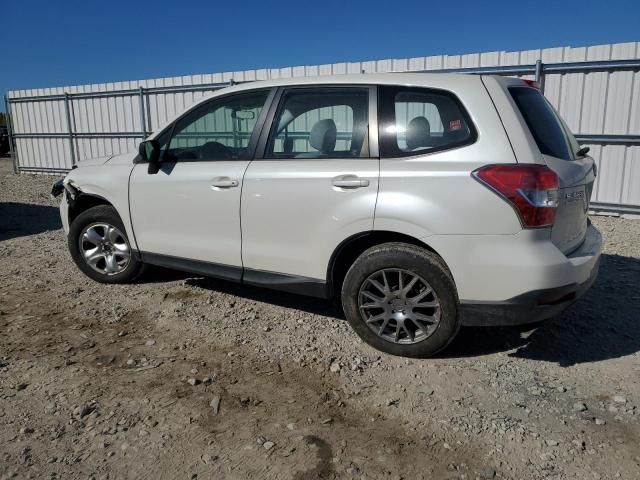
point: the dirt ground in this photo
(184, 377)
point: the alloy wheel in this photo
(399, 306)
(104, 248)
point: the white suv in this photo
(423, 201)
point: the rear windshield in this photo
(543, 122)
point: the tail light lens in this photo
(531, 189)
(532, 83)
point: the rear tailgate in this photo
(576, 184)
(558, 147)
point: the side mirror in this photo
(149, 150)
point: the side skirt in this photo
(215, 270)
(311, 287)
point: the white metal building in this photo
(596, 89)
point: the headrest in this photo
(418, 133)
(323, 136)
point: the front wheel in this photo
(99, 246)
(401, 299)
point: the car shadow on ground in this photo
(316, 306)
(604, 324)
(22, 219)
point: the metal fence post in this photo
(149, 127)
(143, 122)
(540, 74)
(67, 110)
(9, 119)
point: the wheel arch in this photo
(349, 249)
(85, 201)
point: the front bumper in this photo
(58, 190)
(64, 214)
(541, 304)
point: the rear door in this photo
(316, 184)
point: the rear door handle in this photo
(224, 182)
(349, 181)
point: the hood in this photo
(92, 162)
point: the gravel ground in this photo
(184, 377)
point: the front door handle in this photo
(349, 181)
(224, 182)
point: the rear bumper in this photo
(540, 304)
(529, 307)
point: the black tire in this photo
(96, 215)
(415, 260)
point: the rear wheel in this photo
(99, 245)
(401, 299)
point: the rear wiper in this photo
(582, 152)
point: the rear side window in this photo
(321, 123)
(415, 121)
(543, 122)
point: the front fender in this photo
(109, 183)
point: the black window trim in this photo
(257, 129)
(387, 114)
(268, 126)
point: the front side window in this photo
(218, 130)
(415, 121)
(321, 123)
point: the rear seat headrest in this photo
(418, 133)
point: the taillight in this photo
(531, 189)
(532, 83)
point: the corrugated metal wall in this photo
(592, 103)
(602, 103)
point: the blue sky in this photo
(57, 43)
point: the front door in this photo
(316, 185)
(190, 209)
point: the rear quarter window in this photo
(417, 121)
(544, 123)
